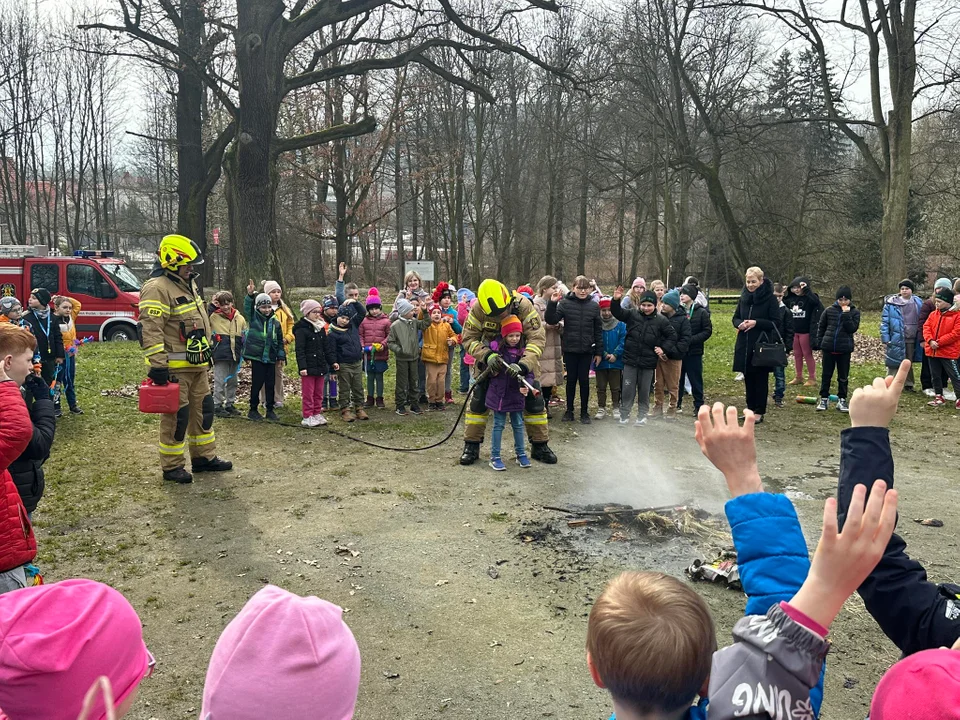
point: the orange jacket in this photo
(435, 348)
(944, 327)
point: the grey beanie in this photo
(943, 283)
(262, 299)
(403, 307)
(8, 304)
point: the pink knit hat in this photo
(639, 281)
(283, 656)
(924, 686)
(309, 304)
(373, 297)
(57, 639)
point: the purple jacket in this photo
(503, 391)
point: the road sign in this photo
(423, 268)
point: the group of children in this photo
(52, 321)
(922, 331)
(74, 649)
(342, 346)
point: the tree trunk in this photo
(254, 185)
(582, 248)
(621, 223)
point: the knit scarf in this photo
(318, 325)
(609, 324)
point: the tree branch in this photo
(320, 137)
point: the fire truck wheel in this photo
(121, 333)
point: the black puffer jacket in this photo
(644, 333)
(681, 326)
(837, 328)
(701, 329)
(582, 331)
(314, 349)
(762, 306)
(27, 470)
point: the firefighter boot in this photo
(178, 475)
(213, 464)
(543, 453)
(471, 453)
(361, 414)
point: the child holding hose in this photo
(506, 393)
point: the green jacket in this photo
(264, 341)
(403, 338)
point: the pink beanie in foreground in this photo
(291, 655)
(57, 639)
(923, 686)
(309, 304)
(373, 297)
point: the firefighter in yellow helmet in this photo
(481, 327)
(174, 332)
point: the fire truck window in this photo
(45, 275)
(87, 280)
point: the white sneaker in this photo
(738, 377)
(616, 414)
(318, 420)
(640, 421)
(307, 422)
(278, 405)
(951, 396)
(624, 421)
(929, 392)
(601, 413)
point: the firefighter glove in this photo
(159, 376)
(495, 363)
(198, 347)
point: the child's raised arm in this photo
(913, 612)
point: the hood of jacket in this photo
(895, 299)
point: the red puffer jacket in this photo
(944, 327)
(17, 543)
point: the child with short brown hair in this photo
(649, 636)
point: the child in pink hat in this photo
(301, 654)
(373, 334)
(56, 641)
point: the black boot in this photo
(180, 475)
(543, 453)
(214, 464)
(471, 453)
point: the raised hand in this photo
(251, 287)
(342, 269)
(730, 447)
(618, 293)
(875, 405)
(557, 296)
(843, 560)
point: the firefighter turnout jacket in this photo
(480, 329)
(174, 327)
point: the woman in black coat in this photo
(758, 312)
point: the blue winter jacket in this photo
(891, 331)
(774, 562)
(613, 340)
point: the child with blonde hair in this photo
(67, 310)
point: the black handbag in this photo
(768, 354)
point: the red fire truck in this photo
(107, 289)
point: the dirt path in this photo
(410, 545)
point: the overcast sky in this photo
(848, 53)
